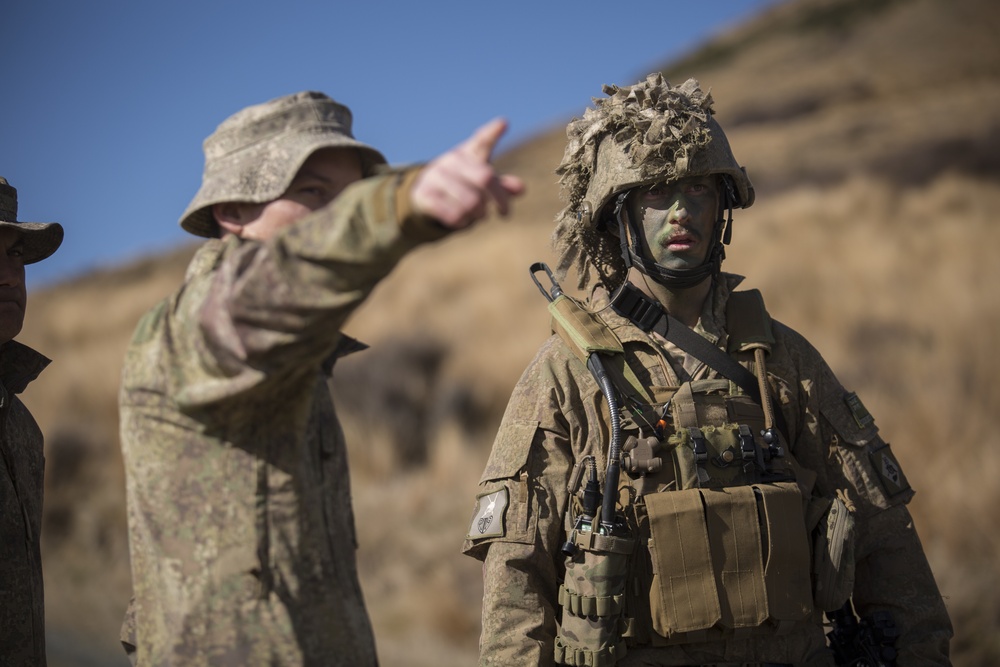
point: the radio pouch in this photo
(591, 598)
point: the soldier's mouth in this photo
(10, 296)
(680, 241)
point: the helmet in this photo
(639, 135)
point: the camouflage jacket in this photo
(22, 603)
(239, 508)
(556, 417)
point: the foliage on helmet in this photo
(656, 124)
(648, 132)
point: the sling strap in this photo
(647, 314)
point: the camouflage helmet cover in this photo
(255, 153)
(640, 134)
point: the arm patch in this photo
(488, 518)
(875, 469)
(503, 505)
(887, 468)
(858, 410)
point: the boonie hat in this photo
(255, 153)
(40, 239)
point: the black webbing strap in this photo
(648, 315)
(688, 340)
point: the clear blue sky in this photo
(106, 102)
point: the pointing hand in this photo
(457, 187)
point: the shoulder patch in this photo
(489, 515)
(858, 410)
(888, 470)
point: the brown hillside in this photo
(871, 129)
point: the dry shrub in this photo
(424, 598)
(394, 399)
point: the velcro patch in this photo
(488, 519)
(858, 410)
(889, 471)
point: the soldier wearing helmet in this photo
(679, 479)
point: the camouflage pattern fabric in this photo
(22, 600)
(556, 417)
(239, 506)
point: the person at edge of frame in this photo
(679, 479)
(241, 532)
(22, 599)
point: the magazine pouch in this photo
(731, 558)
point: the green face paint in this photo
(677, 219)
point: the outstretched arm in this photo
(269, 312)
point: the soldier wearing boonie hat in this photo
(679, 479)
(255, 153)
(22, 613)
(39, 239)
(240, 523)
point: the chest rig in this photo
(700, 533)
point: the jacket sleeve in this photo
(839, 440)
(267, 314)
(536, 447)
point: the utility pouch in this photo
(592, 598)
(833, 552)
(731, 558)
(709, 456)
(715, 440)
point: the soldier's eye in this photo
(657, 190)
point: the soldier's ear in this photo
(230, 216)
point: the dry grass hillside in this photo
(871, 129)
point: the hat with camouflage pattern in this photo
(254, 154)
(40, 239)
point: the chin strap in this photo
(678, 278)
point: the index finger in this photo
(482, 142)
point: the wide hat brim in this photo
(39, 239)
(263, 172)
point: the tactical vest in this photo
(718, 541)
